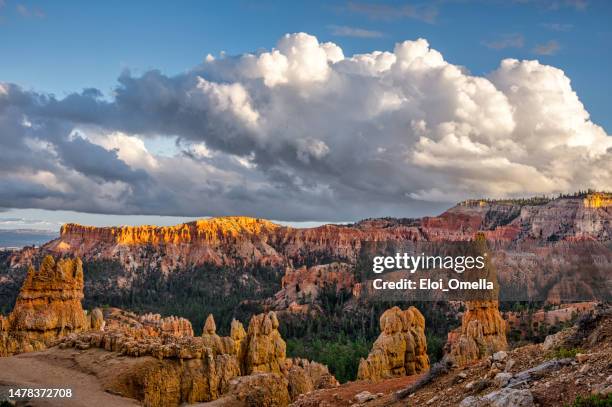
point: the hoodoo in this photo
(48, 307)
(482, 333)
(401, 348)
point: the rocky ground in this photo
(575, 362)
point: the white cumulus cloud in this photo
(303, 132)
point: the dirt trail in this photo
(48, 370)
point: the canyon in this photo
(543, 249)
(247, 290)
(157, 361)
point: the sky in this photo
(119, 112)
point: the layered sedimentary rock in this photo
(217, 241)
(214, 230)
(400, 349)
(266, 350)
(48, 307)
(535, 246)
(168, 370)
(261, 390)
(147, 324)
(172, 325)
(482, 333)
(305, 283)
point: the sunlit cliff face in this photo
(458, 223)
(210, 230)
(598, 200)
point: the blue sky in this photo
(65, 46)
(108, 164)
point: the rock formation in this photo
(482, 333)
(96, 320)
(536, 242)
(48, 307)
(239, 342)
(218, 241)
(261, 390)
(305, 283)
(167, 370)
(266, 350)
(401, 348)
(305, 376)
(211, 339)
(147, 324)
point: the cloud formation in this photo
(579, 5)
(303, 132)
(346, 31)
(506, 41)
(386, 12)
(28, 12)
(549, 48)
(561, 27)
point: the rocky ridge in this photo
(255, 240)
(169, 369)
(539, 246)
(299, 285)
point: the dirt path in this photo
(45, 370)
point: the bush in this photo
(562, 353)
(593, 401)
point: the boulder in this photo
(501, 398)
(305, 376)
(502, 379)
(364, 396)
(500, 356)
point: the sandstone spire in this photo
(265, 347)
(482, 333)
(210, 327)
(48, 307)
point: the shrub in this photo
(592, 401)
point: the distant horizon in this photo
(12, 220)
